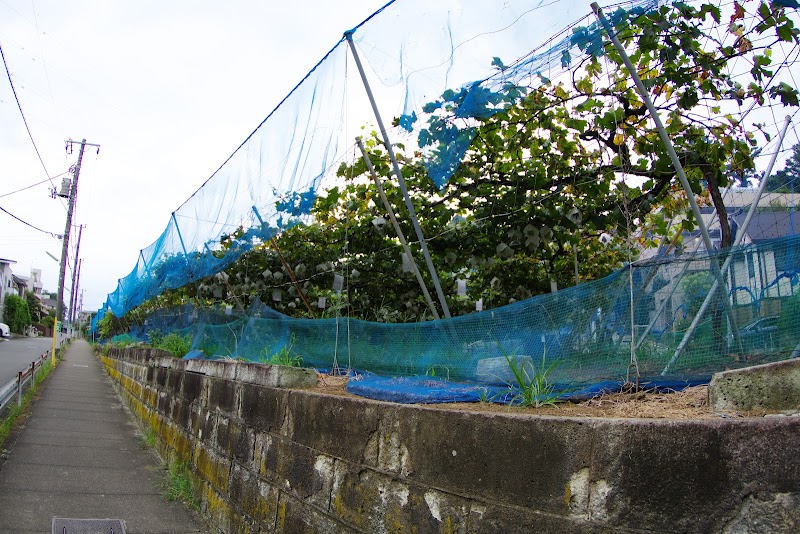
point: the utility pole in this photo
(76, 171)
(80, 306)
(72, 298)
(73, 306)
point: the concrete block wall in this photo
(270, 459)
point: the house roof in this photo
(770, 224)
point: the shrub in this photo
(16, 313)
(176, 344)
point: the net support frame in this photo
(177, 229)
(673, 156)
(401, 181)
(739, 236)
(400, 235)
(674, 287)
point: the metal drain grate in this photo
(63, 525)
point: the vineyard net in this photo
(418, 51)
(438, 70)
(587, 334)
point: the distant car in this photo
(5, 332)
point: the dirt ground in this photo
(691, 403)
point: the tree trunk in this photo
(718, 326)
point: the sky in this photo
(167, 89)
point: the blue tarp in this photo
(427, 390)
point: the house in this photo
(20, 285)
(6, 282)
(759, 278)
(36, 282)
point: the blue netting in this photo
(588, 335)
(418, 51)
(440, 69)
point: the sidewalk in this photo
(79, 456)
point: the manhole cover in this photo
(88, 526)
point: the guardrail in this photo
(14, 388)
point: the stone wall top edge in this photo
(226, 370)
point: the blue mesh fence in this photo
(590, 333)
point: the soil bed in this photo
(691, 403)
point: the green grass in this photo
(176, 344)
(533, 385)
(177, 486)
(285, 356)
(148, 439)
(14, 410)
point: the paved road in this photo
(17, 354)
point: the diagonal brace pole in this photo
(401, 181)
(739, 236)
(397, 229)
(673, 156)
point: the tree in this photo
(787, 180)
(16, 313)
(35, 306)
(110, 325)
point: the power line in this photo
(29, 224)
(13, 90)
(49, 178)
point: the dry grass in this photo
(691, 403)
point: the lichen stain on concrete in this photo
(371, 448)
(324, 466)
(584, 498)
(598, 492)
(287, 429)
(393, 489)
(280, 520)
(433, 505)
(389, 452)
(766, 512)
(576, 493)
(216, 506)
(261, 449)
(212, 468)
(392, 454)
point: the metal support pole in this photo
(739, 236)
(19, 388)
(575, 258)
(673, 156)
(180, 237)
(401, 181)
(397, 228)
(674, 286)
(71, 315)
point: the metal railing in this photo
(13, 389)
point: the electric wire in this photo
(28, 224)
(49, 178)
(22, 113)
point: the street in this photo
(18, 353)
